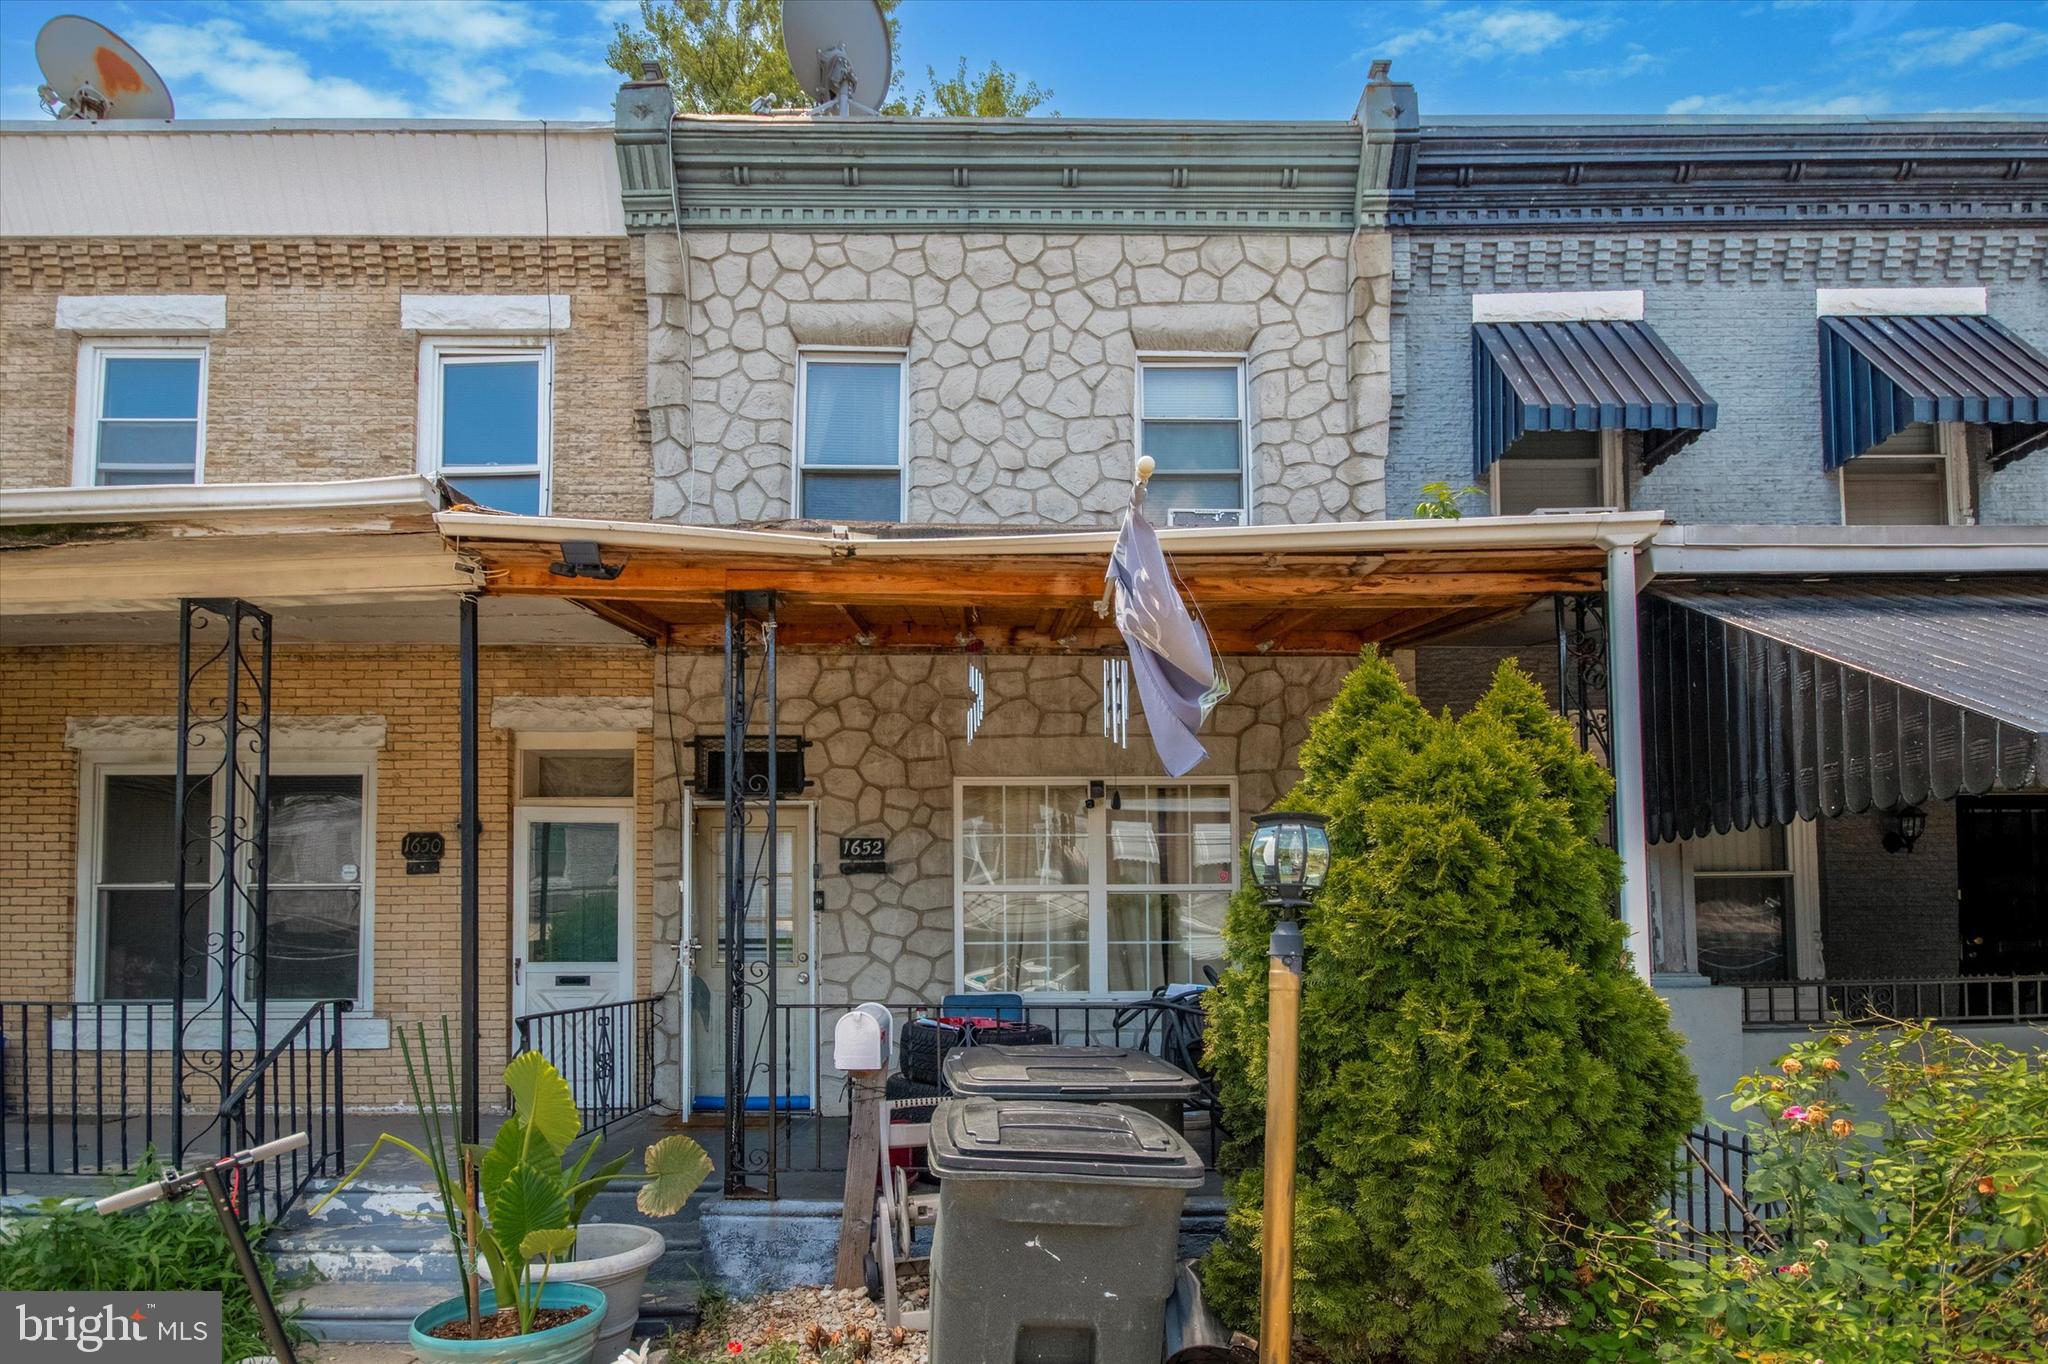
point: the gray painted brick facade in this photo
(1739, 312)
(1889, 914)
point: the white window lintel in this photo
(1969, 301)
(1596, 305)
(295, 734)
(484, 314)
(143, 314)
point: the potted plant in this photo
(532, 1196)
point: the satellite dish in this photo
(838, 48)
(90, 73)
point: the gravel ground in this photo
(832, 1324)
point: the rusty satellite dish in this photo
(90, 73)
(838, 48)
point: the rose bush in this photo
(1921, 1237)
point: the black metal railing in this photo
(604, 1051)
(1709, 1202)
(806, 1131)
(1954, 999)
(92, 1089)
(295, 1087)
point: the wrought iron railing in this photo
(804, 1130)
(93, 1088)
(604, 1051)
(1709, 1201)
(295, 1087)
(1953, 999)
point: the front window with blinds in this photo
(1742, 884)
(317, 941)
(1191, 421)
(1901, 481)
(486, 422)
(850, 435)
(1064, 891)
(1552, 471)
(144, 413)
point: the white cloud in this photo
(1484, 33)
(1781, 99)
(1991, 45)
(216, 70)
(466, 25)
(1635, 60)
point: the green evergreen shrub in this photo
(1477, 1056)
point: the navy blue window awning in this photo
(1581, 376)
(1879, 375)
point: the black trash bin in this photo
(1089, 1075)
(1057, 1230)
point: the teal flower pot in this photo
(570, 1343)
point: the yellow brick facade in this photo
(313, 377)
(417, 920)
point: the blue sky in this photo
(1115, 58)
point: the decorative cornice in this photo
(159, 733)
(1667, 256)
(156, 265)
(1481, 175)
(1031, 175)
(573, 714)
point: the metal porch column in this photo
(1625, 732)
(750, 981)
(469, 831)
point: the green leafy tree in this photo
(994, 93)
(1477, 1057)
(1440, 501)
(721, 56)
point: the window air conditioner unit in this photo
(1205, 516)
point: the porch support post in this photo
(1625, 734)
(469, 832)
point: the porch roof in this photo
(1770, 700)
(1297, 589)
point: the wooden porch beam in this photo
(996, 585)
(632, 619)
(934, 637)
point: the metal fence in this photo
(94, 1089)
(604, 1051)
(1709, 1203)
(1955, 999)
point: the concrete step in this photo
(385, 1311)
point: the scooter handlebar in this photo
(149, 1193)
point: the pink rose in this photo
(1794, 1114)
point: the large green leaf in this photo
(581, 1191)
(675, 1167)
(549, 1243)
(530, 1199)
(541, 1099)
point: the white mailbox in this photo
(861, 1040)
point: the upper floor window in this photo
(485, 421)
(1191, 422)
(142, 413)
(850, 435)
(1556, 470)
(1908, 479)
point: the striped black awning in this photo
(1581, 376)
(1879, 375)
(1763, 702)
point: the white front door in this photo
(572, 933)
(793, 1029)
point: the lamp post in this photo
(1289, 856)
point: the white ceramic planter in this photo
(613, 1257)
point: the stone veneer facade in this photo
(1022, 352)
(889, 741)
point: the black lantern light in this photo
(1289, 856)
(1903, 826)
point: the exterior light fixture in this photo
(1289, 857)
(1903, 826)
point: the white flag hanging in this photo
(1178, 680)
